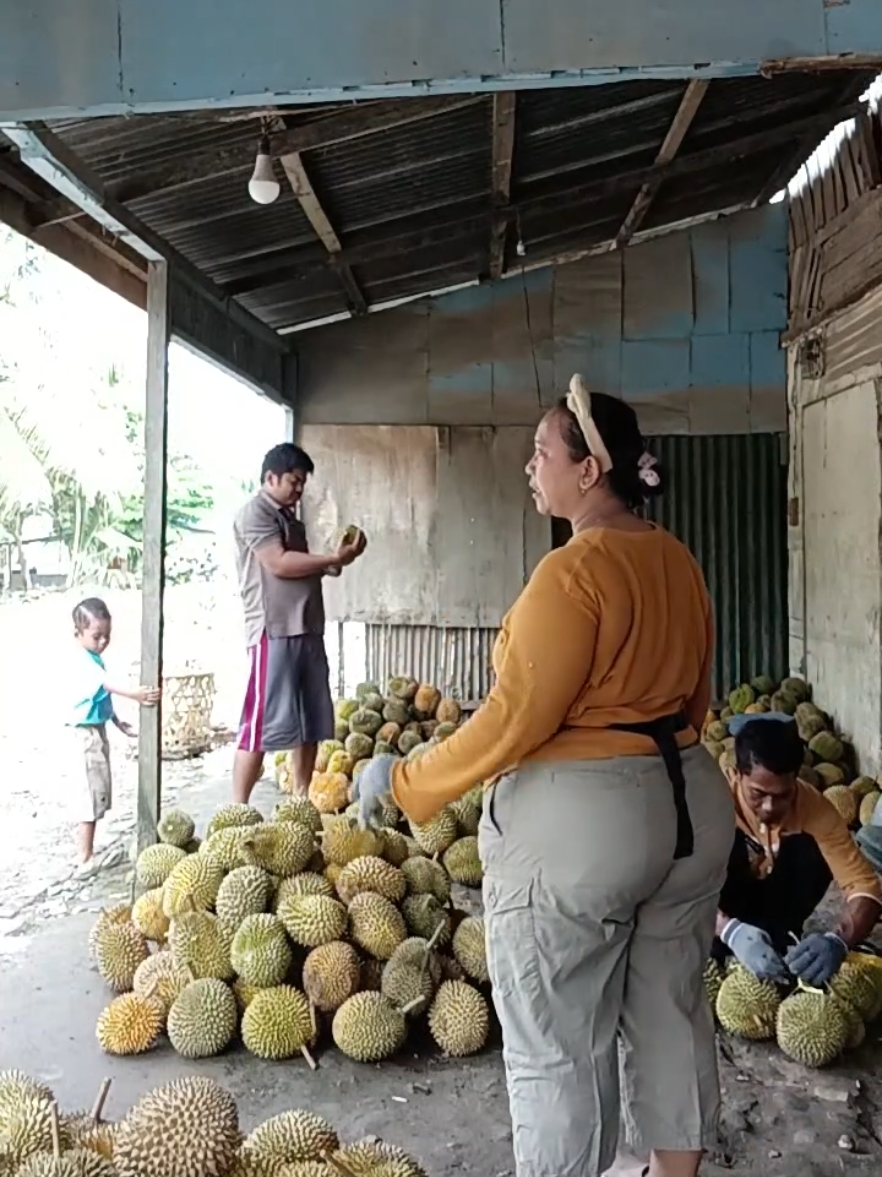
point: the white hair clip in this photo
(646, 470)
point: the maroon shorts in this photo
(288, 700)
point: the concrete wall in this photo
(107, 56)
(835, 533)
(686, 327)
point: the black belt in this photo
(663, 733)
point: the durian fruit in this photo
(462, 862)
(459, 1019)
(376, 1158)
(868, 807)
(713, 980)
(762, 685)
(329, 791)
(368, 1028)
(203, 1019)
(376, 925)
(306, 883)
(312, 920)
(862, 785)
(388, 817)
(245, 891)
(470, 948)
(403, 687)
(299, 810)
(119, 949)
(396, 713)
(424, 916)
(341, 764)
(747, 1006)
(343, 842)
(294, 1136)
(843, 801)
(426, 701)
(797, 687)
(811, 1028)
(394, 847)
(468, 816)
(155, 863)
(443, 731)
(784, 702)
(407, 986)
(716, 732)
(277, 1024)
(29, 1127)
(358, 746)
(160, 978)
(448, 711)
(148, 916)
(176, 828)
(15, 1086)
(365, 722)
(198, 943)
(855, 985)
(425, 877)
(234, 817)
(408, 740)
(192, 885)
(225, 846)
(830, 775)
(331, 974)
(436, 834)
(420, 750)
(827, 747)
(121, 914)
(260, 953)
(345, 708)
(370, 873)
(187, 1128)
(741, 698)
(131, 1024)
(422, 955)
(283, 849)
(248, 1164)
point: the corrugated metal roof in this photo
(411, 196)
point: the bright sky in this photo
(222, 424)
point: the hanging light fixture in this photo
(263, 187)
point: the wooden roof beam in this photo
(504, 106)
(301, 186)
(686, 112)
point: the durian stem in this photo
(101, 1099)
(313, 1065)
(313, 1017)
(411, 1005)
(433, 939)
(56, 1135)
(340, 1168)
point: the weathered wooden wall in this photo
(453, 528)
(835, 418)
(687, 327)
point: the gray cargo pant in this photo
(596, 941)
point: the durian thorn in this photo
(336, 1165)
(101, 1099)
(56, 1135)
(313, 1065)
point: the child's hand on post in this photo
(126, 728)
(148, 696)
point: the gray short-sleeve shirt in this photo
(277, 606)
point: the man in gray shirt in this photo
(288, 703)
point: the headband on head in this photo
(579, 404)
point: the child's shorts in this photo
(92, 794)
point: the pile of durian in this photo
(187, 1128)
(830, 762)
(407, 721)
(277, 930)
(811, 1026)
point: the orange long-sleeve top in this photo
(615, 627)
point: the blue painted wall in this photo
(107, 56)
(687, 327)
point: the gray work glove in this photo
(754, 949)
(373, 784)
(817, 958)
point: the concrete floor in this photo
(778, 1119)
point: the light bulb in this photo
(263, 187)
(520, 248)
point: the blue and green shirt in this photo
(90, 701)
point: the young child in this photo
(92, 709)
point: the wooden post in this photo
(153, 563)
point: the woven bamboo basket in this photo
(187, 702)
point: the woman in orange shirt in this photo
(606, 834)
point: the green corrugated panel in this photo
(726, 498)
